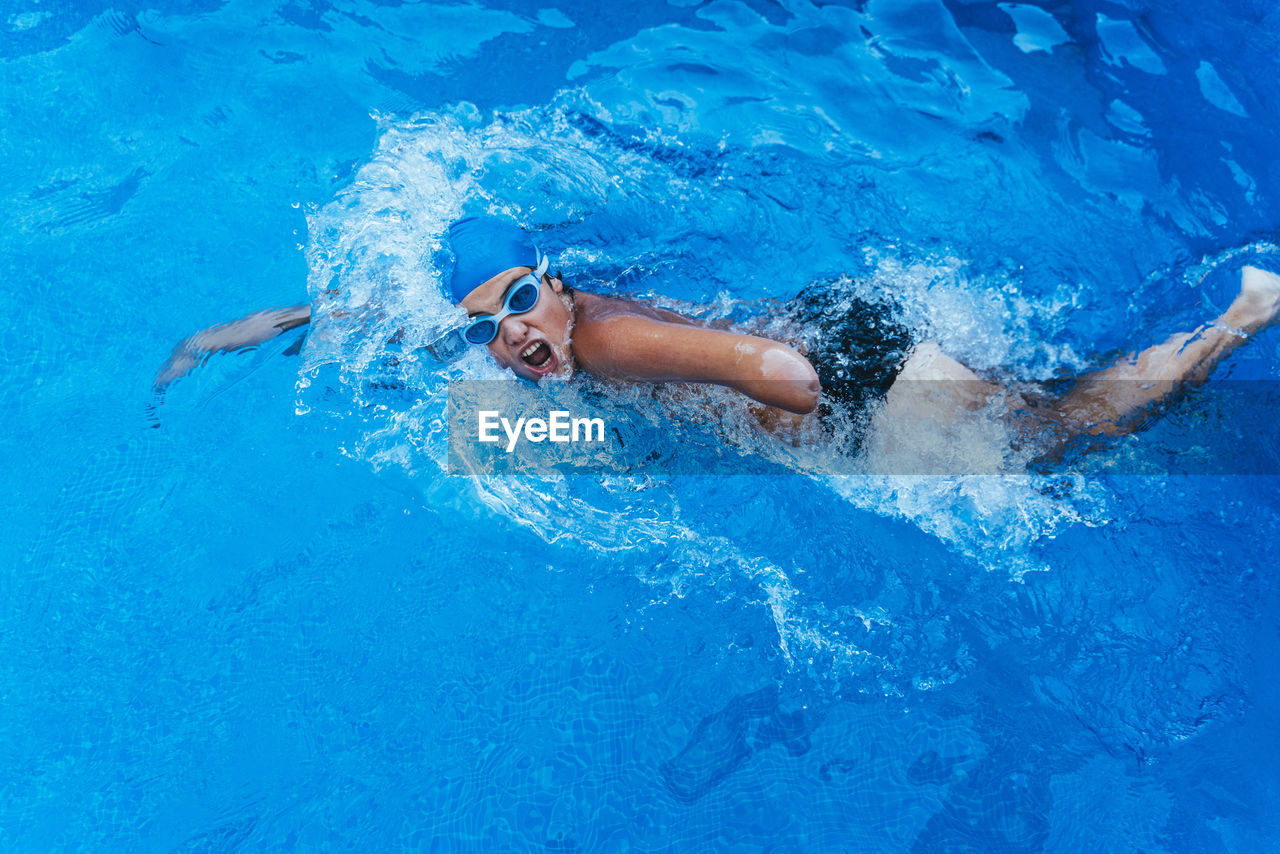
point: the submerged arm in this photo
(257, 328)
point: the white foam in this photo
(375, 258)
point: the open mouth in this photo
(536, 354)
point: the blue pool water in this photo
(260, 615)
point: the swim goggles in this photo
(521, 298)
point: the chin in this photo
(564, 363)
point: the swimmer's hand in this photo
(257, 328)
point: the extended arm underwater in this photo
(250, 331)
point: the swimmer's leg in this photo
(932, 384)
(1117, 399)
(931, 412)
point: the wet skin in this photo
(624, 340)
(545, 328)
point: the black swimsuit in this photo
(857, 346)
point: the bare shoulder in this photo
(595, 308)
(615, 338)
(620, 338)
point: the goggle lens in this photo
(482, 331)
(523, 298)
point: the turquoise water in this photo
(259, 615)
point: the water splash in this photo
(598, 198)
(719, 226)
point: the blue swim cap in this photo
(483, 247)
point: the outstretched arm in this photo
(259, 327)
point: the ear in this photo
(557, 284)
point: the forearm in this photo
(250, 331)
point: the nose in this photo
(513, 330)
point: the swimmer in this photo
(536, 326)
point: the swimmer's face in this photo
(535, 344)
